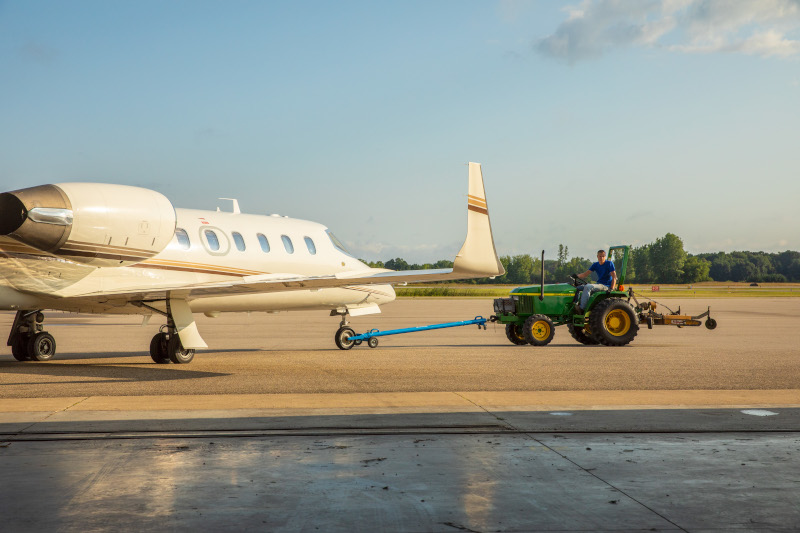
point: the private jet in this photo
(116, 249)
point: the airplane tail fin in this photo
(478, 254)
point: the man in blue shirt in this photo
(606, 278)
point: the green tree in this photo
(668, 257)
(641, 262)
(696, 269)
(520, 269)
(397, 263)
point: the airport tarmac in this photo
(274, 429)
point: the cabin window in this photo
(287, 243)
(183, 238)
(262, 240)
(213, 240)
(237, 238)
(310, 245)
(337, 243)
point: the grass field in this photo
(698, 290)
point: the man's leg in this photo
(587, 292)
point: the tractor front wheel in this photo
(514, 334)
(538, 330)
(613, 322)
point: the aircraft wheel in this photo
(538, 330)
(41, 346)
(372, 342)
(19, 348)
(580, 335)
(342, 338)
(177, 353)
(514, 334)
(158, 349)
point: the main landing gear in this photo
(28, 340)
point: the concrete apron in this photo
(396, 463)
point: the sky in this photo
(596, 122)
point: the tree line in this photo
(662, 261)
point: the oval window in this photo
(287, 243)
(213, 241)
(310, 245)
(183, 238)
(239, 240)
(262, 240)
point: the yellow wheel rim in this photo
(540, 330)
(518, 333)
(618, 322)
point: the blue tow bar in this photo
(479, 320)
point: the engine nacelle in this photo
(92, 223)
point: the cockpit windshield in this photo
(337, 243)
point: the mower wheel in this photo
(514, 334)
(613, 322)
(711, 323)
(580, 335)
(538, 330)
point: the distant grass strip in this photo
(665, 291)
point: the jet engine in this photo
(91, 223)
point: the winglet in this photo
(478, 256)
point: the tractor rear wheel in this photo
(514, 334)
(580, 335)
(538, 330)
(613, 322)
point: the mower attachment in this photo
(648, 315)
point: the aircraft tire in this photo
(158, 349)
(19, 348)
(177, 353)
(342, 338)
(41, 346)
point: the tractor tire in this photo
(613, 322)
(538, 330)
(581, 336)
(514, 334)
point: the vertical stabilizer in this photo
(478, 254)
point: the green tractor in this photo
(531, 313)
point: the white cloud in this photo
(755, 27)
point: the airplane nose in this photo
(38, 216)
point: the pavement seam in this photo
(26, 428)
(591, 473)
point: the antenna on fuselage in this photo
(236, 209)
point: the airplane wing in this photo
(476, 259)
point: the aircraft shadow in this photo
(109, 371)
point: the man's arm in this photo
(613, 279)
(587, 273)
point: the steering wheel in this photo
(576, 281)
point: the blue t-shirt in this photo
(603, 272)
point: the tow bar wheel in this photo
(538, 330)
(342, 338)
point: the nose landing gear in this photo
(28, 340)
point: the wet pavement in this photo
(634, 470)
